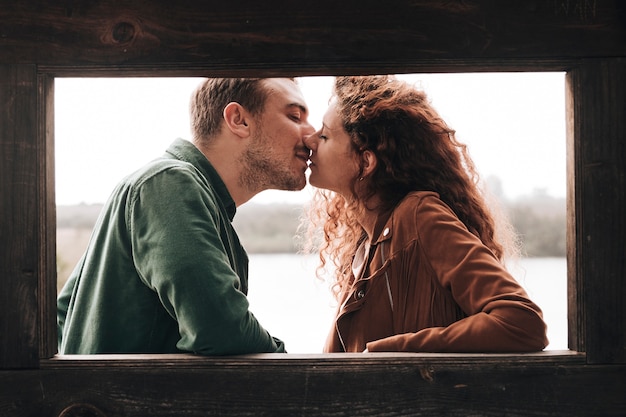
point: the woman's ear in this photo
(236, 119)
(369, 162)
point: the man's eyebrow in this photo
(302, 107)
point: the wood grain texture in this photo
(19, 221)
(309, 37)
(319, 385)
(46, 213)
(597, 131)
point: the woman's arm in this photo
(501, 317)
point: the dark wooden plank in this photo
(19, 221)
(561, 357)
(575, 306)
(305, 37)
(333, 385)
(597, 152)
(46, 209)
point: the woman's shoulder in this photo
(415, 199)
(421, 207)
(414, 212)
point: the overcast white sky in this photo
(513, 123)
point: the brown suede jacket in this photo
(432, 286)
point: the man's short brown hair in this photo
(211, 97)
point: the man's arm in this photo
(178, 252)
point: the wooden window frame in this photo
(392, 370)
(582, 38)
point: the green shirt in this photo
(164, 271)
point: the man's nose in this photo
(308, 129)
(309, 141)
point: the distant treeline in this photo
(539, 220)
(540, 223)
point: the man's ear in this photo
(236, 119)
(369, 162)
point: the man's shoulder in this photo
(162, 166)
(164, 176)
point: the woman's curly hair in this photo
(416, 151)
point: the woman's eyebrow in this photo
(330, 129)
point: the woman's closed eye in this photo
(322, 133)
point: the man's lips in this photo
(303, 156)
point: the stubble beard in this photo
(263, 170)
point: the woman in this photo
(418, 265)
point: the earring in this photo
(361, 179)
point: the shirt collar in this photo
(186, 151)
(384, 228)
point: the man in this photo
(164, 271)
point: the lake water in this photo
(295, 306)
